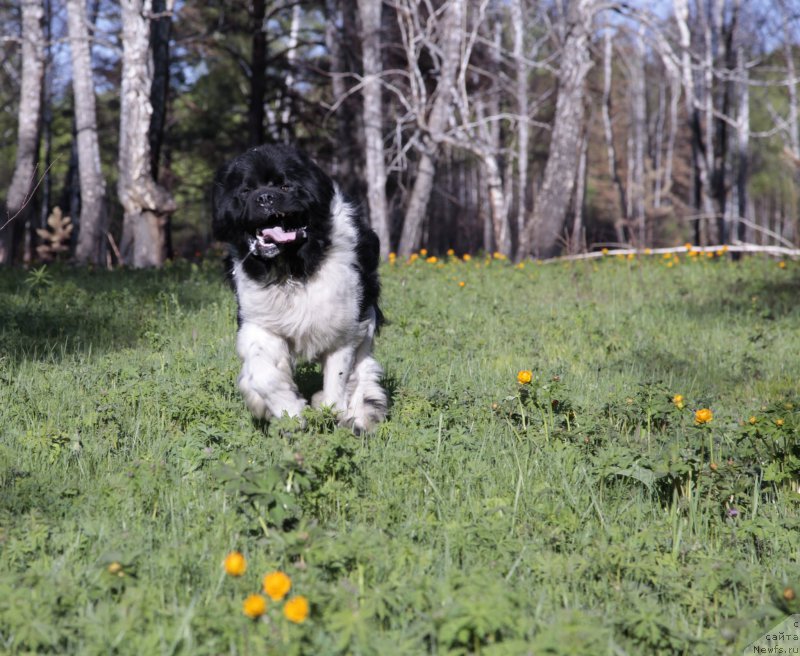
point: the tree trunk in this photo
(578, 241)
(258, 65)
(160, 29)
(546, 229)
(622, 220)
(146, 204)
(92, 225)
(340, 31)
(743, 139)
(523, 109)
(639, 136)
(370, 12)
(20, 192)
(702, 200)
(452, 32)
(491, 135)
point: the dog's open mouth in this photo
(269, 240)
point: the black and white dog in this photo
(304, 268)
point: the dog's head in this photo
(272, 205)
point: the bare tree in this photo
(611, 152)
(29, 117)
(543, 233)
(92, 225)
(521, 72)
(146, 204)
(370, 13)
(432, 118)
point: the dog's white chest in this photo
(314, 316)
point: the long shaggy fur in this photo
(303, 264)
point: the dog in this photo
(304, 267)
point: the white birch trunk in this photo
(28, 120)
(701, 145)
(639, 135)
(452, 32)
(523, 109)
(546, 229)
(146, 204)
(370, 12)
(92, 225)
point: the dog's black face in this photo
(272, 205)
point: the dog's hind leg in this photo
(367, 402)
(266, 380)
(337, 368)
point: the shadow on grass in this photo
(67, 311)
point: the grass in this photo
(581, 513)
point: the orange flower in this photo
(254, 606)
(703, 416)
(450, 252)
(423, 251)
(277, 585)
(296, 609)
(461, 283)
(432, 259)
(467, 257)
(678, 401)
(524, 377)
(235, 564)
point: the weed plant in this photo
(584, 511)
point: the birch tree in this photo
(370, 14)
(432, 118)
(92, 224)
(23, 181)
(544, 232)
(146, 204)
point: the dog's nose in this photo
(265, 199)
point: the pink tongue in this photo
(278, 235)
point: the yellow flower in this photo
(432, 259)
(467, 257)
(648, 251)
(779, 422)
(688, 245)
(254, 606)
(277, 585)
(752, 420)
(782, 264)
(604, 251)
(296, 609)
(413, 257)
(524, 377)
(678, 401)
(235, 564)
(703, 416)
(115, 568)
(423, 252)
(450, 252)
(461, 283)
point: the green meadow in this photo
(583, 512)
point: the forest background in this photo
(525, 127)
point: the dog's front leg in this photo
(266, 380)
(337, 367)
